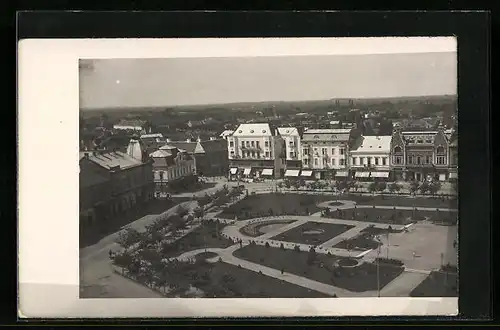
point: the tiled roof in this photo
(160, 153)
(110, 160)
(288, 131)
(261, 129)
(214, 145)
(226, 133)
(327, 134)
(373, 144)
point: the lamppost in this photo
(378, 268)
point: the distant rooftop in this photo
(288, 131)
(373, 144)
(257, 129)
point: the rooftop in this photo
(131, 122)
(261, 129)
(373, 144)
(152, 136)
(328, 131)
(111, 160)
(288, 131)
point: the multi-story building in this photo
(325, 152)
(256, 150)
(293, 148)
(209, 156)
(113, 182)
(420, 155)
(453, 159)
(370, 158)
(169, 165)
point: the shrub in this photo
(390, 261)
(282, 246)
(296, 248)
(267, 244)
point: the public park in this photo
(235, 241)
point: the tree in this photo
(199, 212)
(381, 186)
(287, 184)
(128, 237)
(373, 187)
(424, 187)
(414, 186)
(123, 260)
(301, 183)
(394, 187)
(434, 187)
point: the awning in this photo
(442, 177)
(341, 174)
(379, 174)
(292, 173)
(306, 173)
(267, 171)
(362, 174)
(233, 170)
(247, 171)
(453, 175)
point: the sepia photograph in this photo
(285, 176)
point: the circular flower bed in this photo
(335, 203)
(348, 262)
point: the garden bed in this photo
(273, 204)
(206, 236)
(254, 229)
(361, 242)
(372, 230)
(357, 279)
(313, 233)
(392, 216)
(433, 202)
(335, 204)
(437, 284)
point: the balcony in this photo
(248, 148)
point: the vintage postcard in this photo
(239, 177)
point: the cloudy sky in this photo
(185, 81)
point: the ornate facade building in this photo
(421, 155)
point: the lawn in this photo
(437, 284)
(313, 233)
(222, 280)
(360, 242)
(255, 229)
(260, 205)
(90, 236)
(372, 230)
(322, 269)
(433, 202)
(393, 216)
(205, 236)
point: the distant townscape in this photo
(334, 198)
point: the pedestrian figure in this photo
(282, 271)
(414, 254)
(110, 254)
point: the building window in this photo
(384, 161)
(267, 154)
(376, 160)
(258, 144)
(291, 154)
(325, 161)
(440, 150)
(253, 144)
(306, 161)
(342, 151)
(253, 154)
(398, 160)
(232, 153)
(420, 141)
(290, 143)
(333, 151)
(243, 144)
(418, 160)
(369, 160)
(427, 159)
(315, 161)
(397, 150)
(333, 161)
(441, 160)
(323, 151)
(342, 162)
(248, 144)
(266, 144)
(316, 151)
(231, 144)
(305, 151)
(353, 160)
(410, 159)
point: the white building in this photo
(132, 125)
(324, 152)
(255, 150)
(370, 157)
(224, 135)
(293, 147)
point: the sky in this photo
(188, 81)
